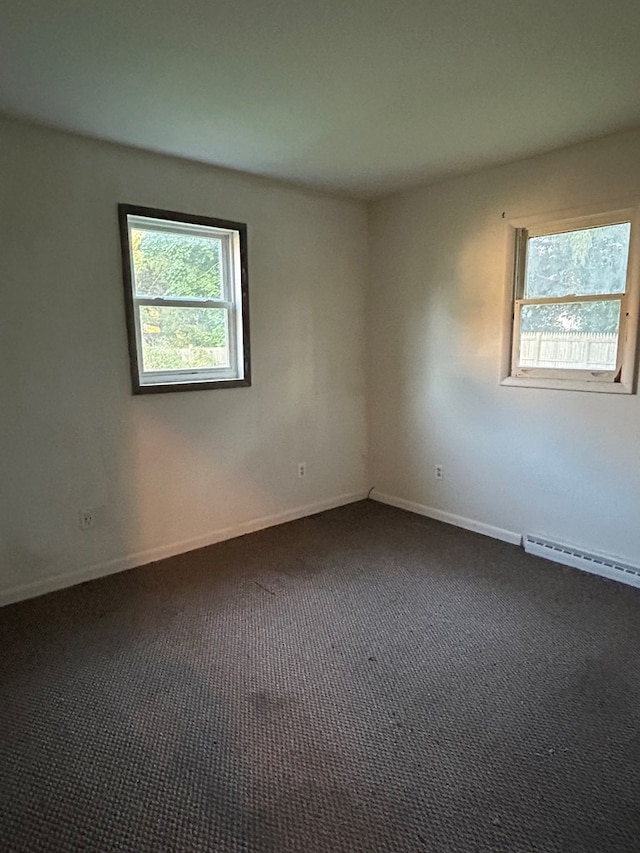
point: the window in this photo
(575, 303)
(187, 300)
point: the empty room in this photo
(320, 511)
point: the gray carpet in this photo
(361, 680)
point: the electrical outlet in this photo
(86, 518)
(439, 472)
(302, 470)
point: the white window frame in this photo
(234, 300)
(621, 380)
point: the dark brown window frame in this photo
(125, 210)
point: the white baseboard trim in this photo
(151, 555)
(448, 517)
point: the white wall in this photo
(169, 471)
(556, 463)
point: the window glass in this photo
(173, 264)
(184, 338)
(570, 336)
(578, 263)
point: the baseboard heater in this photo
(607, 567)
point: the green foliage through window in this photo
(178, 265)
(169, 264)
(585, 262)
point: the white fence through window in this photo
(569, 350)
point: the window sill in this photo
(567, 385)
(201, 385)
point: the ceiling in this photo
(361, 97)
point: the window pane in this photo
(575, 336)
(578, 263)
(169, 265)
(184, 338)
